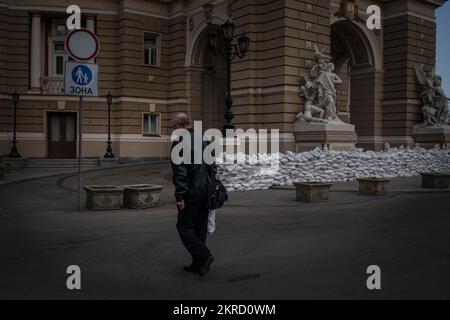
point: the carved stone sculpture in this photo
(435, 102)
(319, 91)
(311, 113)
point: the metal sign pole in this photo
(81, 79)
(80, 149)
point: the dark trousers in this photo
(192, 226)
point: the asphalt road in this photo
(267, 245)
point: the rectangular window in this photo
(59, 57)
(59, 65)
(151, 124)
(151, 49)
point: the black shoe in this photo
(204, 268)
(190, 269)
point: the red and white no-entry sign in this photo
(82, 44)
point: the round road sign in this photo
(82, 44)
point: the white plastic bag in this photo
(211, 221)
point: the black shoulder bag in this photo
(217, 194)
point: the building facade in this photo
(155, 62)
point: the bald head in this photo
(181, 120)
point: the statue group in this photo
(435, 102)
(319, 91)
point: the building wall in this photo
(137, 88)
(15, 47)
(14, 68)
(265, 84)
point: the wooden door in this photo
(62, 135)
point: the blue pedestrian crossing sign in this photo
(81, 75)
(81, 79)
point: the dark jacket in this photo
(191, 180)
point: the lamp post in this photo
(14, 153)
(109, 154)
(228, 51)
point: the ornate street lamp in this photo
(228, 51)
(109, 154)
(14, 153)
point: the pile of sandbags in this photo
(262, 171)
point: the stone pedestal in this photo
(428, 137)
(141, 196)
(435, 180)
(372, 186)
(333, 135)
(312, 191)
(103, 197)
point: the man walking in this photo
(191, 181)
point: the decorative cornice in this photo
(410, 13)
(438, 3)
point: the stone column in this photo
(90, 23)
(35, 52)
